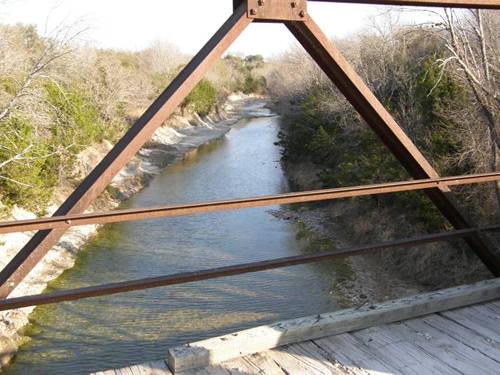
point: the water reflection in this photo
(114, 331)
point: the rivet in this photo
(302, 13)
(260, 2)
(253, 12)
(294, 4)
(68, 222)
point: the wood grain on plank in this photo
(400, 353)
(354, 355)
(304, 358)
(445, 348)
(494, 308)
(151, 368)
(467, 336)
(483, 325)
(264, 364)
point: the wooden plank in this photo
(255, 364)
(151, 368)
(475, 320)
(264, 364)
(124, 371)
(211, 370)
(401, 354)
(488, 347)
(495, 309)
(495, 303)
(304, 358)
(219, 349)
(445, 348)
(354, 355)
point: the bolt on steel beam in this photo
(277, 10)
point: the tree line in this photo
(58, 96)
(439, 80)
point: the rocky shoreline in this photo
(363, 279)
(173, 141)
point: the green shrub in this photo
(202, 99)
(9, 85)
(254, 85)
(29, 181)
(76, 118)
(321, 145)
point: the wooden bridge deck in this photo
(458, 341)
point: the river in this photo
(114, 331)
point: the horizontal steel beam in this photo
(187, 277)
(479, 4)
(269, 200)
(484, 4)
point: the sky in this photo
(134, 25)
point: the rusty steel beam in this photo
(235, 204)
(379, 119)
(485, 4)
(277, 10)
(125, 149)
(479, 4)
(239, 269)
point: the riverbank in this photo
(81, 337)
(383, 275)
(171, 142)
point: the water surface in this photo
(115, 331)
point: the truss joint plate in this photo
(277, 10)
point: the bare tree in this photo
(472, 40)
(25, 58)
(52, 48)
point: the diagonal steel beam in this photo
(125, 149)
(378, 118)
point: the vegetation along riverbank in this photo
(426, 77)
(63, 105)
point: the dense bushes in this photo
(76, 120)
(27, 179)
(247, 73)
(323, 128)
(444, 110)
(202, 99)
(57, 98)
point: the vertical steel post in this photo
(93, 185)
(378, 118)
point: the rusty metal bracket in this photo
(277, 10)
